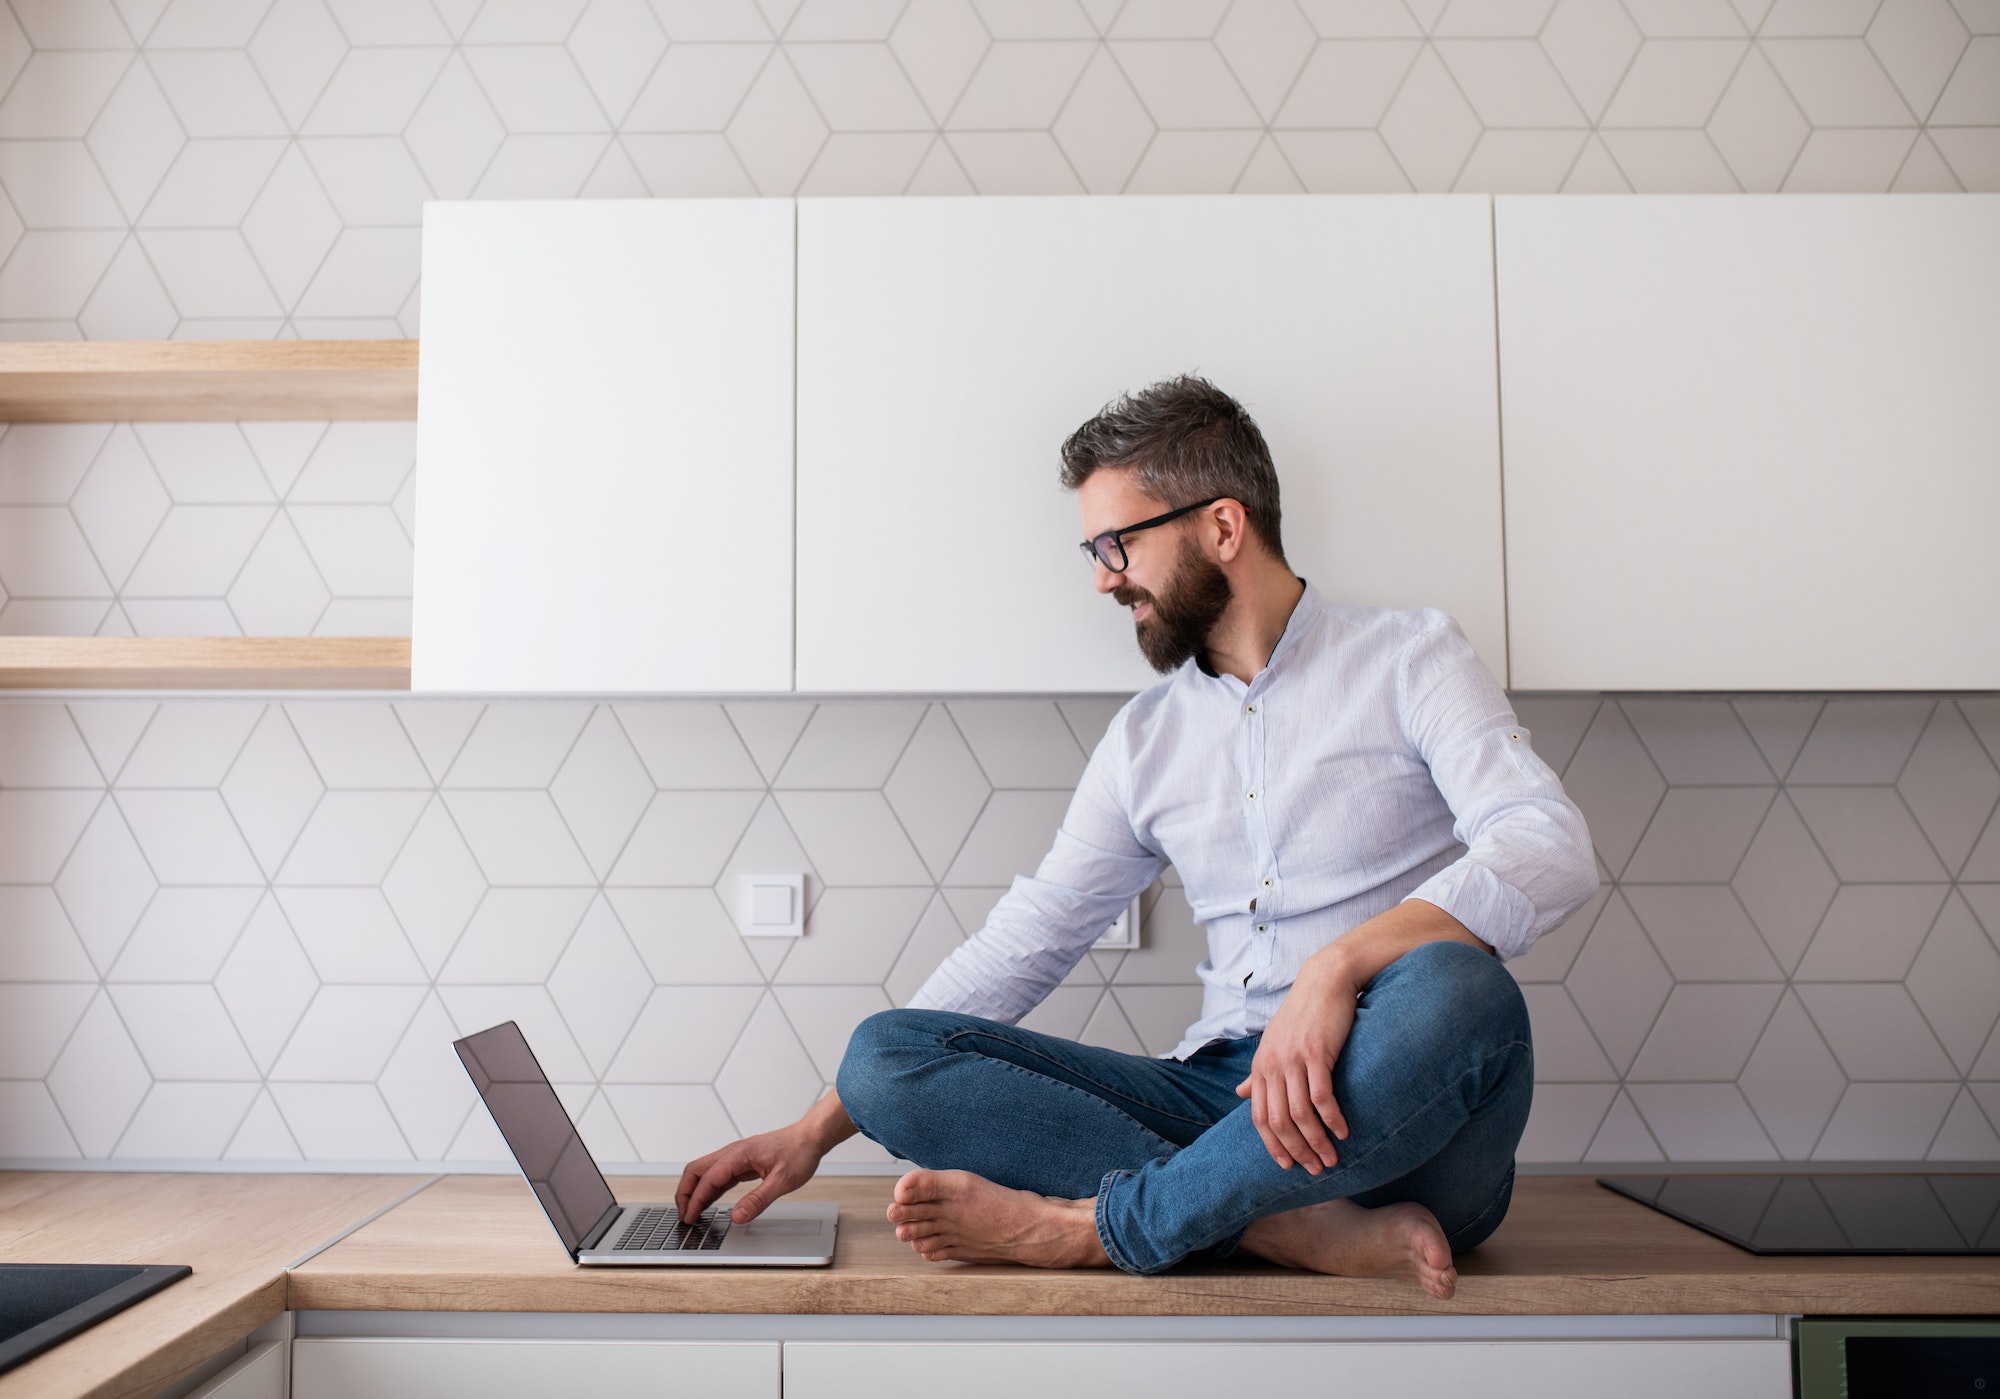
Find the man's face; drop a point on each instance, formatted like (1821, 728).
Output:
(1176, 593)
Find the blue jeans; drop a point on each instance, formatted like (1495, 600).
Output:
(1435, 1081)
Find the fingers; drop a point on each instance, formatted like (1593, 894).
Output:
(1282, 1115)
(685, 1190)
(754, 1202)
(1294, 1110)
(720, 1175)
(1320, 1080)
(1305, 1117)
(1260, 1110)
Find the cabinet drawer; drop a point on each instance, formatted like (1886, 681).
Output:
(355, 1368)
(1713, 1369)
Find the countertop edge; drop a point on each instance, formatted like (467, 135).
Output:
(1692, 1294)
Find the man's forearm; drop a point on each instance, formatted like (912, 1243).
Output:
(1357, 956)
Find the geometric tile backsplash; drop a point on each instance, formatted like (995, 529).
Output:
(254, 168)
(246, 929)
(206, 529)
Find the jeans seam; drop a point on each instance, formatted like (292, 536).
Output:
(1118, 1257)
(946, 1043)
(1408, 1117)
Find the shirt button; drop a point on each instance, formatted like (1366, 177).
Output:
(1261, 927)
(1515, 737)
(1249, 709)
(1253, 796)
(1267, 884)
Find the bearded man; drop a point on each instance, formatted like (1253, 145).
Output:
(1364, 832)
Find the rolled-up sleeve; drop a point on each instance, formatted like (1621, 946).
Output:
(1528, 862)
(1044, 923)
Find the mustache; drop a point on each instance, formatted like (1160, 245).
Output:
(1126, 594)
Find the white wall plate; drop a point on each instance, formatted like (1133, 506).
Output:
(1123, 934)
(771, 905)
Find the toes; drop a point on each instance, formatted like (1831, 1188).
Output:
(916, 1185)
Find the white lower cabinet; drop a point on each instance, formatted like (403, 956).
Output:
(399, 1368)
(1628, 1369)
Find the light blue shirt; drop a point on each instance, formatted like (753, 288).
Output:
(1374, 759)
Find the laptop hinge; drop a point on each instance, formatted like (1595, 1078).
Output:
(602, 1227)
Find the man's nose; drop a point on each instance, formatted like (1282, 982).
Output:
(1105, 579)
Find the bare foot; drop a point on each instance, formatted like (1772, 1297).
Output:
(1339, 1236)
(960, 1216)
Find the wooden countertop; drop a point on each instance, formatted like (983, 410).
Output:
(480, 1243)
(238, 1232)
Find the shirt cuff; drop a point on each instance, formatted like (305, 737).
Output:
(1492, 909)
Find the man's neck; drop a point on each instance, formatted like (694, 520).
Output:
(1242, 642)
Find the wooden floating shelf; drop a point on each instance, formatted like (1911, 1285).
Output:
(205, 663)
(208, 380)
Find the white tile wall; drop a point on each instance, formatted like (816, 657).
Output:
(289, 529)
(209, 895)
(246, 930)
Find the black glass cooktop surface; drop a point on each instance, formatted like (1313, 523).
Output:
(1831, 1213)
(44, 1304)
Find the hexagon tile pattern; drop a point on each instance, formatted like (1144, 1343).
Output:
(221, 169)
(206, 529)
(247, 931)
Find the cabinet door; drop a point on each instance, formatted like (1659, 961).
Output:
(397, 1368)
(1208, 1370)
(604, 447)
(1751, 443)
(948, 346)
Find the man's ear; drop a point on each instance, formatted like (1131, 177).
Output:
(1231, 528)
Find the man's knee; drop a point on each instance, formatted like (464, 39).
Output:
(887, 1043)
(1452, 989)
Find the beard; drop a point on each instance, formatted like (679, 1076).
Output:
(1184, 612)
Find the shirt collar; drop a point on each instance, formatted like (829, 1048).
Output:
(1305, 612)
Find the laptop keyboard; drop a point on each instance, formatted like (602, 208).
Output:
(659, 1229)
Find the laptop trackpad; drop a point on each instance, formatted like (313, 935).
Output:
(785, 1228)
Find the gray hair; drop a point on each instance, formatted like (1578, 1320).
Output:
(1184, 440)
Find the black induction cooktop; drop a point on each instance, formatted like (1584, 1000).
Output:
(43, 1304)
(1830, 1214)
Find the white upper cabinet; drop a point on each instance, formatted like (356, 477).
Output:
(604, 445)
(948, 346)
(1752, 443)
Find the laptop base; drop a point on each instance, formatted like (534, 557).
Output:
(788, 1234)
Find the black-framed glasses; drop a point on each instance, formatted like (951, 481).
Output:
(1108, 548)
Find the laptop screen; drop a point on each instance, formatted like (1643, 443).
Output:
(538, 1131)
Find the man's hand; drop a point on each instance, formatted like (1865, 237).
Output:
(1290, 1087)
(783, 1160)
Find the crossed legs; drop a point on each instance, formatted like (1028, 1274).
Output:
(1039, 1150)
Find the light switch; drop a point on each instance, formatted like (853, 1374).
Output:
(771, 905)
(1123, 934)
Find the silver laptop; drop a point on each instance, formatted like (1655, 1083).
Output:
(589, 1220)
